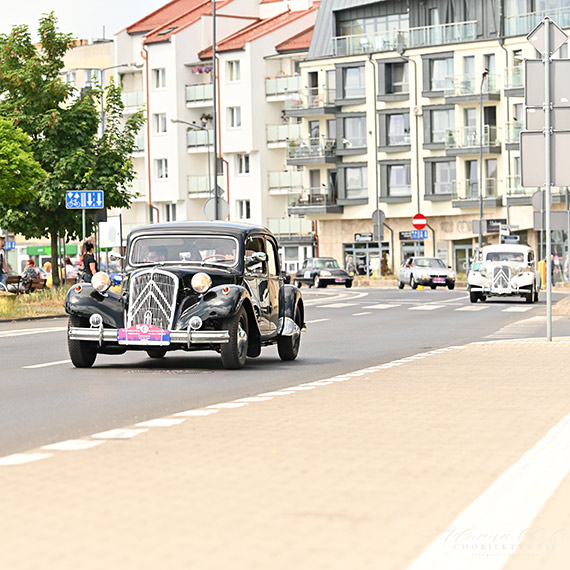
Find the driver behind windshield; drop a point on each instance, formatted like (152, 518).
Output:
(156, 254)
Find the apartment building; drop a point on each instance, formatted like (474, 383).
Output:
(416, 107)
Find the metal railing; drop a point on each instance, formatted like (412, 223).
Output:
(310, 99)
(448, 189)
(523, 24)
(466, 137)
(470, 84)
(198, 185)
(513, 131)
(277, 87)
(282, 182)
(280, 134)
(139, 143)
(397, 138)
(195, 139)
(409, 38)
(203, 92)
(514, 77)
(469, 189)
(290, 225)
(313, 197)
(311, 148)
(132, 99)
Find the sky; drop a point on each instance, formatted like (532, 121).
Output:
(85, 19)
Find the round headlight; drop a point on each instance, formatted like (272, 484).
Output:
(101, 281)
(201, 282)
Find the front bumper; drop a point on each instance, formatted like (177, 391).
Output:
(501, 291)
(430, 282)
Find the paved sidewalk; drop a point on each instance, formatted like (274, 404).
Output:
(356, 472)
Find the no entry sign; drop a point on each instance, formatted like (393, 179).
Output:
(419, 221)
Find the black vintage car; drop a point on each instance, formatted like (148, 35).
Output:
(189, 286)
(322, 271)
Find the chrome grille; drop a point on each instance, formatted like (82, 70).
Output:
(501, 277)
(152, 298)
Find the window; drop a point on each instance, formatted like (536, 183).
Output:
(159, 78)
(356, 182)
(170, 212)
(443, 176)
(331, 128)
(91, 76)
(471, 179)
(271, 259)
(374, 26)
(442, 125)
(159, 120)
(161, 168)
(243, 163)
(243, 209)
(70, 78)
(398, 129)
(441, 74)
(234, 72)
(399, 180)
(491, 181)
(396, 78)
(234, 117)
(354, 132)
(353, 82)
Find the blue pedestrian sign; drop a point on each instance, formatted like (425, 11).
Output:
(419, 234)
(84, 199)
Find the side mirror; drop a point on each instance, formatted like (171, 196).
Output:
(115, 256)
(257, 257)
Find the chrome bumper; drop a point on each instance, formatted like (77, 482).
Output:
(187, 337)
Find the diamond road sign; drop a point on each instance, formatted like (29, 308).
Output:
(84, 199)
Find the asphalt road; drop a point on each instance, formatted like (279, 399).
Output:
(43, 399)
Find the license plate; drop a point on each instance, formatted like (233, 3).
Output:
(438, 280)
(144, 334)
(340, 280)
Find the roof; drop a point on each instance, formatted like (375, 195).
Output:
(256, 30)
(506, 247)
(299, 42)
(217, 227)
(163, 15)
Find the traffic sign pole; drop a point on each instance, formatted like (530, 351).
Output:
(83, 222)
(547, 58)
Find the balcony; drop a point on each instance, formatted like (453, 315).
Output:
(467, 193)
(132, 100)
(200, 95)
(314, 201)
(279, 135)
(466, 140)
(424, 36)
(198, 187)
(199, 141)
(523, 24)
(290, 226)
(311, 151)
(311, 102)
(138, 189)
(139, 144)
(282, 88)
(466, 88)
(512, 134)
(285, 182)
(442, 191)
(514, 81)
(518, 195)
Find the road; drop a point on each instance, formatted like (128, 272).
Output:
(43, 399)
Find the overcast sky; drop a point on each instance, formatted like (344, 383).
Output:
(85, 19)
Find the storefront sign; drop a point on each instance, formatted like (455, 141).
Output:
(405, 236)
(494, 226)
(363, 237)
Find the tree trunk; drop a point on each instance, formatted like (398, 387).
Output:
(54, 259)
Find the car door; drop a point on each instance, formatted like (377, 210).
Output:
(255, 276)
(408, 271)
(273, 283)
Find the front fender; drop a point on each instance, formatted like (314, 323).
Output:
(88, 301)
(289, 299)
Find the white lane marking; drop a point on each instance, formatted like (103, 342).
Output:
(24, 332)
(516, 310)
(425, 308)
(254, 399)
(381, 306)
(361, 314)
(160, 422)
(317, 321)
(191, 413)
(473, 308)
(336, 305)
(72, 445)
(226, 405)
(119, 433)
(21, 458)
(46, 364)
(503, 513)
(334, 297)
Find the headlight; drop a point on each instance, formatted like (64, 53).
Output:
(101, 281)
(424, 276)
(325, 273)
(451, 275)
(201, 282)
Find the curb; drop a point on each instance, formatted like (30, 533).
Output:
(40, 318)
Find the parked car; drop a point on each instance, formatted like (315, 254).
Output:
(426, 271)
(322, 271)
(189, 286)
(504, 271)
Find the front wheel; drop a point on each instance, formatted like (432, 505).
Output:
(400, 285)
(529, 297)
(288, 346)
(234, 352)
(82, 352)
(413, 283)
(473, 296)
(348, 284)
(156, 353)
(536, 296)
(451, 286)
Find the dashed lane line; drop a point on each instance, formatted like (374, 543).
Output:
(25, 332)
(317, 321)
(45, 364)
(361, 314)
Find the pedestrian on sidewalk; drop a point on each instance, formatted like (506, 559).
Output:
(3, 264)
(89, 263)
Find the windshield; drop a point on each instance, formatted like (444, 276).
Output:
(515, 256)
(184, 249)
(429, 262)
(328, 263)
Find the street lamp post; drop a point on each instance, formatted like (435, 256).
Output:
(483, 76)
(199, 128)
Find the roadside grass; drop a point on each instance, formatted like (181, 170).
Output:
(40, 303)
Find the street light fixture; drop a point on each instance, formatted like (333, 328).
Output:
(199, 128)
(483, 76)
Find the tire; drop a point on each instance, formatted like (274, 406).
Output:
(156, 352)
(433, 286)
(536, 296)
(348, 284)
(451, 286)
(288, 346)
(529, 297)
(82, 352)
(234, 352)
(413, 283)
(400, 285)
(317, 282)
(473, 296)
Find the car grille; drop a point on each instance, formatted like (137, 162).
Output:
(501, 277)
(152, 295)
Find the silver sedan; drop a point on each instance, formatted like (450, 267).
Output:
(426, 271)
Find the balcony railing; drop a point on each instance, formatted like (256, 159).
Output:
(311, 99)
(414, 37)
(467, 137)
(469, 189)
(132, 99)
(447, 189)
(311, 148)
(313, 197)
(196, 139)
(138, 189)
(523, 24)
(396, 139)
(514, 77)
(198, 187)
(513, 131)
(290, 226)
(278, 88)
(285, 182)
(470, 84)
(278, 135)
(200, 94)
(139, 143)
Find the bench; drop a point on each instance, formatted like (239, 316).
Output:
(35, 285)
(13, 283)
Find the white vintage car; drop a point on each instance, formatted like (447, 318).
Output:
(504, 270)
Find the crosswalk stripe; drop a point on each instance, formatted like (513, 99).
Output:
(336, 305)
(516, 310)
(381, 306)
(426, 307)
(473, 308)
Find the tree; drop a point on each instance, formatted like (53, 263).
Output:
(63, 128)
